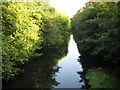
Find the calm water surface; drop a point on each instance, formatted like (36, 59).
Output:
(68, 76)
(49, 71)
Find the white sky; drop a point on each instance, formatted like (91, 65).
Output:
(69, 7)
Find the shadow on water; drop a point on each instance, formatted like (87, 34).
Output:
(40, 72)
(57, 68)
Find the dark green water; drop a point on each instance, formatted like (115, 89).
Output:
(57, 68)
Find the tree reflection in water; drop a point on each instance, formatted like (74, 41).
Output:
(40, 72)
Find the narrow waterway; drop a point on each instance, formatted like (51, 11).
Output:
(68, 76)
(57, 68)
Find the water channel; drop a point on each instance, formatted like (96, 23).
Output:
(63, 68)
(52, 71)
(68, 76)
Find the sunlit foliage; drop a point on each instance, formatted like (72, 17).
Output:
(26, 27)
(56, 29)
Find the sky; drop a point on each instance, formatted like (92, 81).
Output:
(69, 7)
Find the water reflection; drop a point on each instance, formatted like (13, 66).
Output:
(40, 72)
(51, 70)
(68, 76)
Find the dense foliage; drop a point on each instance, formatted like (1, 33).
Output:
(55, 31)
(96, 30)
(27, 27)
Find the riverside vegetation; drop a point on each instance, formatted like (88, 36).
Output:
(30, 29)
(96, 30)
(27, 29)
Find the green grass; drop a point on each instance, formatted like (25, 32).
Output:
(99, 78)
